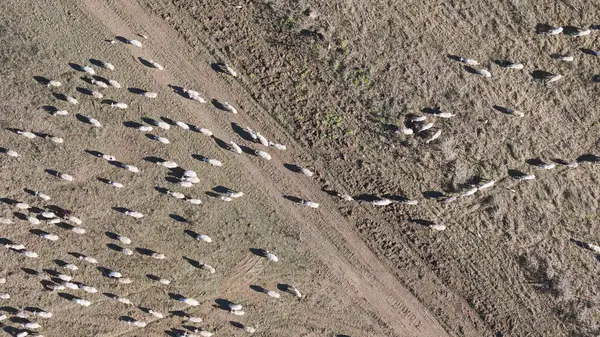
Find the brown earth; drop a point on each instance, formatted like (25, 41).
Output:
(332, 81)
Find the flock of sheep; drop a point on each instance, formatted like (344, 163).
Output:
(64, 278)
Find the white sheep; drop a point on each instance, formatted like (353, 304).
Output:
(97, 95)
(74, 219)
(381, 202)
(565, 58)
(237, 312)
(31, 325)
(202, 237)
(230, 108)
(42, 196)
(572, 164)
(88, 259)
(12, 153)
(33, 220)
(42, 313)
(234, 194)
(162, 139)
(93, 121)
(553, 30)
(135, 43)
(193, 94)
(78, 230)
(114, 84)
(263, 154)
(205, 132)
(4, 296)
(131, 168)
(88, 70)
(107, 65)
(155, 313)
(49, 236)
(26, 134)
(278, 146)
(547, 166)
(124, 300)
(115, 184)
(487, 184)
(581, 32)
(483, 72)
(251, 133)
(214, 162)
(438, 227)
(469, 192)
(101, 84)
(229, 70)
(553, 78)
(190, 174)
(511, 65)
(155, 64)
(5, 221)
(144, 128)
(158, 256)
(162, 125)
(271, 257)
(182, 125)
(176, 195)
(468, 61)
(193, 201)
(189, 301)
(70, 266)
(310, 204)
(54, 83)
(125, 280)
(235, 148)
(346, 197)
(119, 105)
(150, 94)
(55, 139)
(71, 99)
(208, 268)
(305, 171)
(272, 293)
(60, 113)
(526, 177)
(65, 176)
(435, 136)
(134, 214)
(262, 139)
(295, 291)
(22, 205)
(426, 126)
(30, 254)
(168, 164)
(70, 285)
(81, 301)
(88, 289)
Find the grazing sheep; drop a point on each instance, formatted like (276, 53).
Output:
(71, 100)
(42, 196)
(114, 274)
(13, 153)
(154, 64)
(54, 139)
(553, 78)
(150, 94)
(78, 230)
(60, 113)
(70, 266)
(263, 154)
(97, 95)
(176, 195)
(48, 215)
(270, 256)
(182, 125)
(190, 174)
(93, 121)
(42, 313)
(124, 300)
(26, 134)
(131, 168)
(101, 84)
(155, 313)
(4, 296)
(208, 268)
(345, 197)
(305, 171)
(468, 61)
(168, 164)
(572, 164)
(435, 136)
(565, 58)
(30, 254)
(123, 239)
(213, 162)
(74, 219)
(107, 65)
(114, 84)
(487, 184)
(278, 146)
(158, 256)
(125, 280)
(145, 128)
(469, 192)
(262, 139)
(88, 70)
(54, 83)
(229, 70)
(252, 133)
(547, 166)
(189, 301)
(88, 289)
(202, 237)
(49, 236)
(88, 259)
(193, 201)
(237, 312)
(31, 325)
(119, 105)
(426, 126)
(205, 132)
(225, 198)
(272, 293)
(115, 184)
(134, 214)
(526, 177)
(135, 43)
(65, 176)
(235, 194)
(553, 30)
(445, 115)
(230, 108)
(22, 205)
(162, 280)
(70, 285)
(161, 139)
(186, 184)
(193, 180)
(33, 220)
(438, 227)
(511, 65)
(295, 291)
(193, 319)
(381, 202)
(581, 32)
(235, 148)
(194, 95)
(310, 204)
(483, 72)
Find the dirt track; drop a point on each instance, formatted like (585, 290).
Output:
(349, 291)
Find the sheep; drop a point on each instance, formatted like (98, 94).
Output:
(487, 184)
(4, 296)
(70, 266)
(162, 125)
(135, 43)
(63, 277)
(88, 70)
(131, 168)
(155, 313)
(22, 206)
(310, 204)
(295, 291)
(154, 64)
(426, 126)
(469, 192)
(228, 70)
(186, 184)
(262, 139)
(123, 239)
(54, 221)
(55, 139)
(205, 333)
(22, 334)
(158, 256)
(208, 268)
(65, 176)
(263, 154)
(193, 319)
(54, 83)
(511, 65)
(71, 99)
(26, 134)
(305, 171)
(526, 177)
(125, 280)
(101, 84)
(345, 197)
(114, 274)
(278, 146)
(119, 105)
(30, 254)
(581, 32)
(237, 312)
(205, 132)
(150, 94)
(114, 84)
(438, 227)
(106, 65)
(134, 214)
(78, 230)
(93, 121)
(5, 221)
(42, 196)
(230, 108)
(189, 301)
(468, 61)
(97, 95)
(202, 237)
(144, 128)
(272, 293)
(553, 78)
(88, 289)
(270, 256)
(33, 220)
(31, 325)
(74, 219)
(225, 198)
(48, 215)
(3, 317)
(234, 194)
(411, 202)
(15, 246)
(565, 58)
(162, 280)
(81, 301)
(213, 162)
(124, 300)
(547, 166)
(572, 164)
(553, 30)
(168, 164)
(516, 113)
(381, 202)
(435, 136)
(190, 174)
(182, 125)
(42, 313)
(483, 72)
(235, 148)
(176, 195)
(12, 153)
(161, 139)
(60, 113)
(115, 184)
(88, 259)
(49, 236)
(70, 285)
(445, 115)
(193, 201)
(194, 95)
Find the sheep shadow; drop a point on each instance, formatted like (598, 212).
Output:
(179, 91)
(121, 209)
(177, 218)
(433, 194)
(175, 332)
(541, 75)
(9, 201)
(588, 157)
(122, 39)
(137, 91)
(38, 232)
(218, 104)
(176, 297)
(67, 296)
(579, 244)
(144, 251)
(161, 190)
(145, 62)
(237, 324)
(104, 180)
(84, 91)
(60, 263)
(258, 289)
(292, 167)
(114, 247)
(30, 271)
(221, 143)
(193, 262)
(127, 319)
(108, 102)
(471, 70)
(589, 51)
(258, 252)
(168, 121)
(595, 79)
(150, 121)
(76, 66)
(534, 162)
(422, 222)
(212, 194)
(132, 124)
(50, 109)
(543, 28)
(241, 132)
(191, 233)
(42, 80)
(153, 277)
(60, 96)
(83, 119)
(454, 57)
(293, 198)
(222, 304)
(154, 159)
(367, 197)
(516, 174)
(52, 172)
(502, 109)
(218, 67)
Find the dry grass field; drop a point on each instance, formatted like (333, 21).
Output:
(334, 82)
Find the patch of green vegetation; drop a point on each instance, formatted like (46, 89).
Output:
(289, 22)
(362, 76)
(332, 120)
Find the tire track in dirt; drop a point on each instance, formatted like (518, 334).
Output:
(325, 231)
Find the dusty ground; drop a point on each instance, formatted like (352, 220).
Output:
(331, 81)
